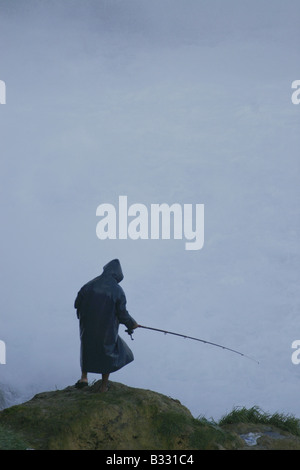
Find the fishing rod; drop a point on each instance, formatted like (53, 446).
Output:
(194, 339)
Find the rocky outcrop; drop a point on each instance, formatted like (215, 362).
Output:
(124, 418)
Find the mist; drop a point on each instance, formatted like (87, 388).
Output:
(163, 102)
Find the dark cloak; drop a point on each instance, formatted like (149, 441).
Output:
(101, 307)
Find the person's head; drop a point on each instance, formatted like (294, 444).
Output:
(114, 269)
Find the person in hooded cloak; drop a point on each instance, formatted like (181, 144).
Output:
(101, 307)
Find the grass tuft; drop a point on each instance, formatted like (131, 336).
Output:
(255, 415)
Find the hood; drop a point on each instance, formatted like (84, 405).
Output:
(114, 269)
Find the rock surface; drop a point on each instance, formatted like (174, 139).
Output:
(122, 418)
(264, 437)
(125, 418)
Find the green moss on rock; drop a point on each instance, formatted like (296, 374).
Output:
(124, 418)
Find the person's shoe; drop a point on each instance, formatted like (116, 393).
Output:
(81, 384)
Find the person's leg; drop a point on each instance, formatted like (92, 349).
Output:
(83, 382)
(104, 384)
(83, 377)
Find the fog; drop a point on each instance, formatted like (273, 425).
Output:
(165, 101)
